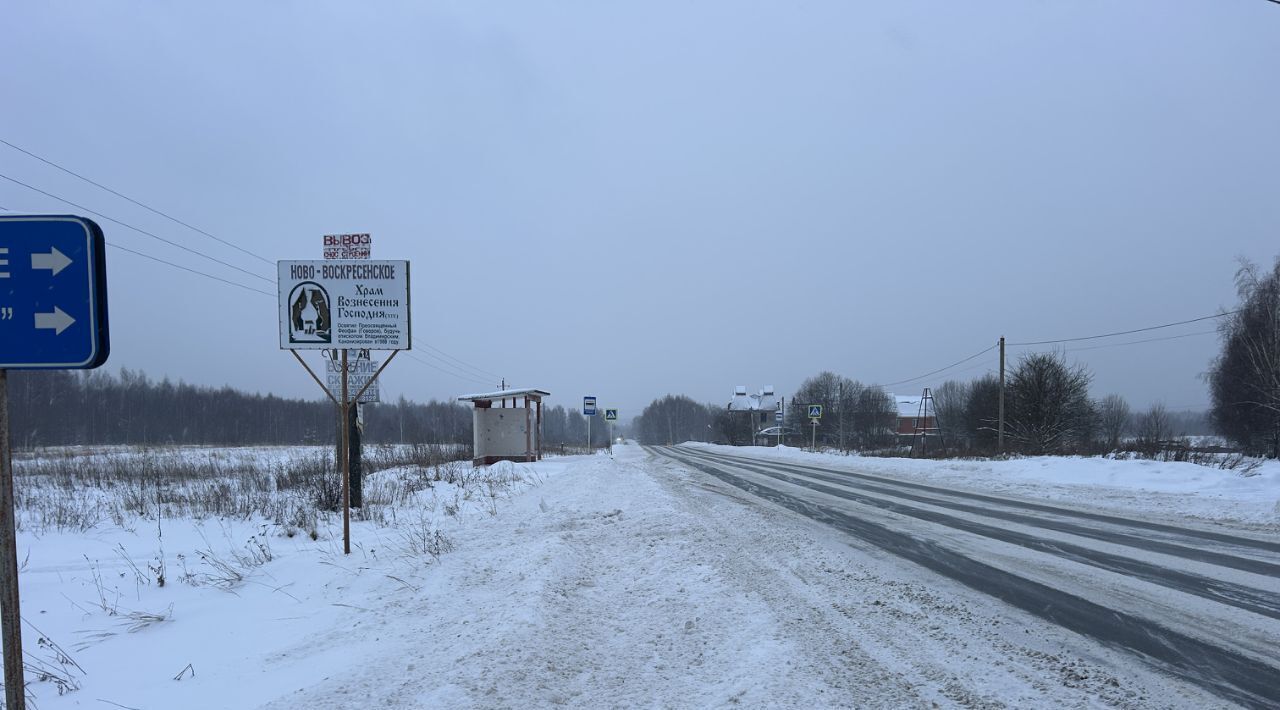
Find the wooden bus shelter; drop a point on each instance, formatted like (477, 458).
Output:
(506, 425)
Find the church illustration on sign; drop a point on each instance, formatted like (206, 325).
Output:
(309, 318)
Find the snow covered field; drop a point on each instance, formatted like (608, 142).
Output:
(578, 581)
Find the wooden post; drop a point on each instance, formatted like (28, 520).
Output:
(355, 452)
(528, 430)
(539, 428)
(10, 611)
(346, 463)
(1000, 436)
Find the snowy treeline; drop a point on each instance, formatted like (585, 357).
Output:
(1048, 410)
(674, 419)
(95, 407)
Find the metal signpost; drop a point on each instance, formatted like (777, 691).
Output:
(53, 316)
(815, 413)
(348, 305)
(589, 411)
(610, 416)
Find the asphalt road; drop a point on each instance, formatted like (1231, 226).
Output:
(1201, 605)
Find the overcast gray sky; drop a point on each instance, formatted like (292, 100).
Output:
(630, 200)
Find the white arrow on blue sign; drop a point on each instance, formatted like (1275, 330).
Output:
(53, 293)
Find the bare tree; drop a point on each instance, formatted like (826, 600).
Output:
(1113, 420)
(1049, 410)
(982, 413)
(832, 392)
(1154, 430)
(874, 417)
(1244, 380)
(950, 402)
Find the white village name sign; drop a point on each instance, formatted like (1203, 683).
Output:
(344, 304)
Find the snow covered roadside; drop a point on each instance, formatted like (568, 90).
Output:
(1134, 487)
(633, 581)
(206, 611)
(619, 582)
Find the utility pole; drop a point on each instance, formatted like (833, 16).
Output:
(1001, 434)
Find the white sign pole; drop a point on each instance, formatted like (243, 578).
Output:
(344, 305)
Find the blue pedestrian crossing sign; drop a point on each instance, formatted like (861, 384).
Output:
(611, 415)
(815, 411)
(53, 293)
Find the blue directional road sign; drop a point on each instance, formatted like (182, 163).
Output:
(53, 293)
(588, 406)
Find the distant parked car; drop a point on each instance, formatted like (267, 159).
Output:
(777, 430)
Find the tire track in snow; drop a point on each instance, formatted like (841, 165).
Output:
(1238, 595)
(1184, 535)
(1229, 675)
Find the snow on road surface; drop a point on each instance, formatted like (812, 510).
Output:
(633, 580)
(1135, 486)
(1200, 604)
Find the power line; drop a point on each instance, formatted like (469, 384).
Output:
(177, 266)
(941, 369)
(184, 268)
(477, 370)
(453, 369)
(144, 206)
(1128, 332)
(464, 376)
(1071, 340)
(140, 231)
(1146, 340)
(415, 358)
(465, 366)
